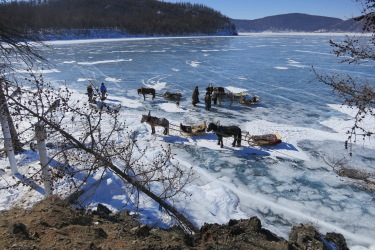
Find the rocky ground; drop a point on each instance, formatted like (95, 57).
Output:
(54, 224)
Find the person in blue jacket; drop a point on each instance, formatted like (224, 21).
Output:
(103, 91)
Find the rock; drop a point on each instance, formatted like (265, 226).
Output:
(232, 222)
(103, 210)
(35, 235)
(100, 233)
(307, 237)
(20, 230)
(141, 231)
(255, 224)
(236, 230)
(337, 240)
(82, 231)
(43, 223)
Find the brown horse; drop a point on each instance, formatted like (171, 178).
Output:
(221, 96)
(155, 121)
(145, 91)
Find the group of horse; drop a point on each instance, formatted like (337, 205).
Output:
(218, 94)
(220, 131)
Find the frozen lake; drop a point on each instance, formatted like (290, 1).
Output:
(283, 185)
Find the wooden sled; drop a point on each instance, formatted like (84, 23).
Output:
(193, 130)
(105, 106)
(263, 140)
(241, 94)
(172, 96)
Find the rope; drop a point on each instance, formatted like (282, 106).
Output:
(171, 124)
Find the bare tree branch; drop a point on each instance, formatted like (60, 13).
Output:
(355, 92)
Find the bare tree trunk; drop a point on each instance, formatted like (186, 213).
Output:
(17, 145)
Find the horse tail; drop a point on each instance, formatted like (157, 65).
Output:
(153, 94)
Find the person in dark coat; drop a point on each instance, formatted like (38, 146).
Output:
(90, 92)
(195, 96)
(207, 101)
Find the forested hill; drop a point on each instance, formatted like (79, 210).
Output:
(297, 22)
(134, 17)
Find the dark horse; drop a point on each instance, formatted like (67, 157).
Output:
(226, 131)
(145, 91)
(155, 121)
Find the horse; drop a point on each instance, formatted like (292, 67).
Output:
(221, 96)
(211, 89)
(155, 121)
(226, 131)
(145, 91)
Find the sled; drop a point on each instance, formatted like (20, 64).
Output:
(193, 130)
(252, 101)
(263, 140)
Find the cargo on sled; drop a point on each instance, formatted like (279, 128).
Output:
(193, 130)
(240, 94)
(262, 140)
(249, 101)
(172, 96)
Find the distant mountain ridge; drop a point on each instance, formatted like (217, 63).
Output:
(297, 22)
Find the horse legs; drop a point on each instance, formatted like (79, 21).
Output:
(166, 131)
(152, 130)
(239, 140)
(144, 97)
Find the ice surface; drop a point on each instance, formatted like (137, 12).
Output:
(283, 185)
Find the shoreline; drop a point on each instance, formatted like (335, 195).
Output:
(245, 34)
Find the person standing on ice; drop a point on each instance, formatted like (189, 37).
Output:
(195, 96)
(207, 101)
(103, 91)
(90, 92)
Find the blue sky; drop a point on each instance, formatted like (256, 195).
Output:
(253, 9)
